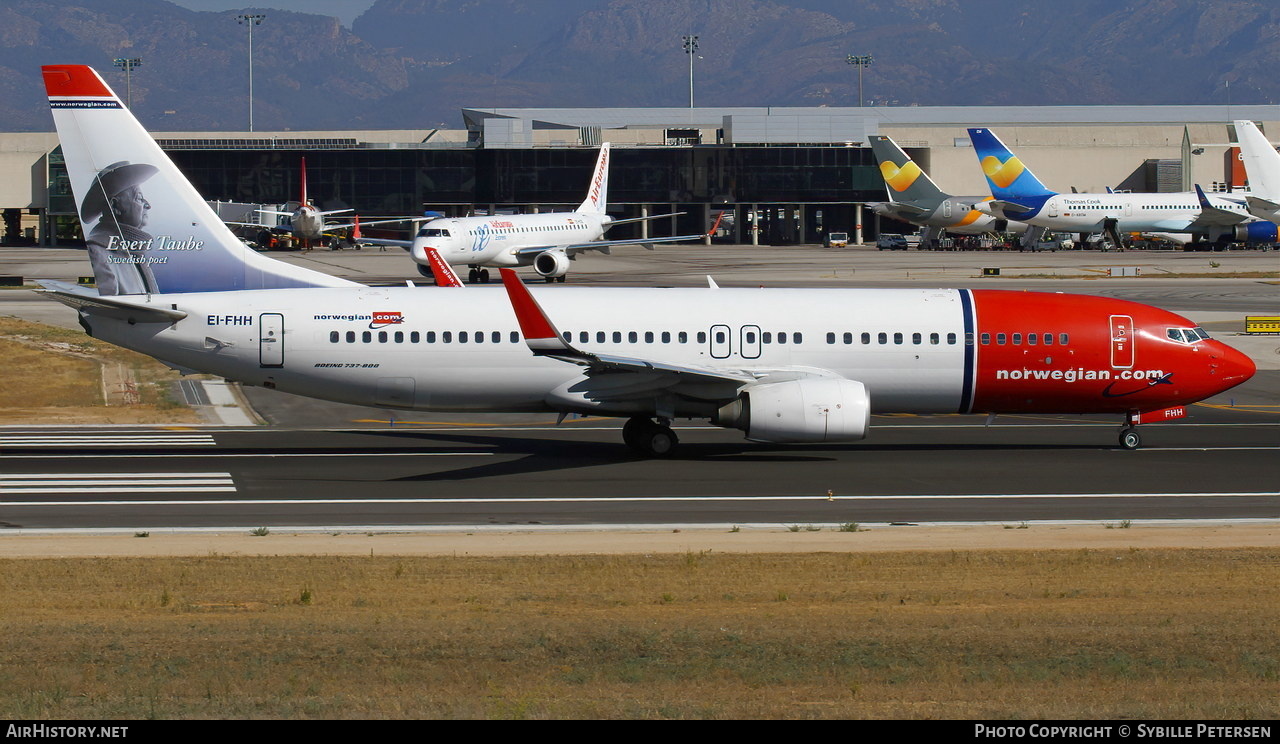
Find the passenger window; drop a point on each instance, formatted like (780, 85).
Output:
(702, 337)
(333, 337)
(1017, 339)
(1000, 339)
(666, 337)
(617, 337)
(599, 337)
(831, 337)
(497, 337)
(1031, 339)
(797, 338)
(462, 337)
(351, 337)
(866, 338)
(935, 339)
(632, 337)
(648, 337)
(366, 337)
(382, 337)
(897, 338)
(431, 337)
(515, 337)
(916, 338)
(399, 337)
(882, 337)
(683, 337)
(782, 338)
(986, 339)
(583, 337)
(767, 337)
(1048, 339)
(446, 337)
(415, 337)
(848, 337)
(479, 337)
(1064, 339)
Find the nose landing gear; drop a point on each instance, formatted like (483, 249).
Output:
(1129, 438)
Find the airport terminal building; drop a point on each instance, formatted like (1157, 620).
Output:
(779, 176)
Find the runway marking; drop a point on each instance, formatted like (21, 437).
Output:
(220, 455)
(642, 499)
(59, 483)
(107, 440)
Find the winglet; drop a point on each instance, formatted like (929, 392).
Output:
(441, 270)
(1204, 200)
(539, 333)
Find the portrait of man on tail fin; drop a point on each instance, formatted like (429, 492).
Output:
(117, 244)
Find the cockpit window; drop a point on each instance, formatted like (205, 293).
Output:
(433, 232)
(1187, 335)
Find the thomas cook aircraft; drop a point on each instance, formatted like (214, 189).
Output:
(782, 365)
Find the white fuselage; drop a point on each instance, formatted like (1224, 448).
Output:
(1088, 213)
(497, 240)
(419, 348)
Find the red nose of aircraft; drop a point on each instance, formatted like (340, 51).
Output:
(1232, 366)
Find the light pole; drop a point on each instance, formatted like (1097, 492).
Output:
(127, 64)
(690, 48)
(861, 60)
(251, 20)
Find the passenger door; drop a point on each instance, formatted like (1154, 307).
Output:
(271, 340)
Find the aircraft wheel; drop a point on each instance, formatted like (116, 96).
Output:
(426, 271)
(550, 279)
(1129, 439)
(649, 438)
(561, 279)
(484, 276)
(472, 276)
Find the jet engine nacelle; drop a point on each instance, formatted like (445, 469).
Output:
(1256, 232)
(551, 264)
(828, 409)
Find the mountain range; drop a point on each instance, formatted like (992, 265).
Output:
(412, 64)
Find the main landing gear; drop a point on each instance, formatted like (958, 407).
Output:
(648, 437)
(554, 279)
(477, 276)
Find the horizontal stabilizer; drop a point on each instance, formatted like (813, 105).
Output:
(1262, 205)
(111, 307)
(643, 219)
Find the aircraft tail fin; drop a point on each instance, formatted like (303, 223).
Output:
(146, 228)
(903, 179)
(597, 200)
(1261, 161)
(1006, 175)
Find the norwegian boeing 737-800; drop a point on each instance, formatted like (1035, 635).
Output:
(783, 365)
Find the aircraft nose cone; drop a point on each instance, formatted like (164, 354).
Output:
(1234, 366)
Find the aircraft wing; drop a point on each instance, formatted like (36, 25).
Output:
(113, 307)
(405, 244)
(272, 228)
(1211, 215)
(601, 245)
(1264, 205)
(346, 225)
(643, 219)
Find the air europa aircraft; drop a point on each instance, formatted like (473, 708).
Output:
(783, 365)
(547, 241)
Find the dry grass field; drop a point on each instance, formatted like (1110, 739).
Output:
(1062, 634)
(57, 376)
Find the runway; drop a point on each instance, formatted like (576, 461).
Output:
(923, 470)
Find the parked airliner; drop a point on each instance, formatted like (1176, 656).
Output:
(783, 365)
(1262, 165)
(915, 198)
(548, 241)
(1019, 195)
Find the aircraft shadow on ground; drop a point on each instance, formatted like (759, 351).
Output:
(549, 455)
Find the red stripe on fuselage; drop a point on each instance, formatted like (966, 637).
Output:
(1080, 376)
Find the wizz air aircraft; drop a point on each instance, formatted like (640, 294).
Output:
(547, 241)
(915, 198)
(783, 365)
(1019, 195)
(1262, 165)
